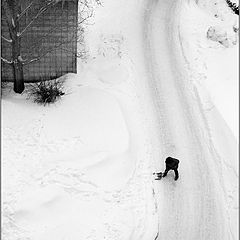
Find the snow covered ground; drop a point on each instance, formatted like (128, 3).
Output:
(193, 132)
(154, 86)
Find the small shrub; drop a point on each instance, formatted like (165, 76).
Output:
(3, 87)
(46, 92)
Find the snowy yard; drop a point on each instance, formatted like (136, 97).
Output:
(154, 86)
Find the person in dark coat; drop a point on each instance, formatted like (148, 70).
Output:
(171, 164)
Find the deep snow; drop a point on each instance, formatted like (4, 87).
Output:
(82, 168)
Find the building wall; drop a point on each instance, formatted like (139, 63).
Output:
(53, 37)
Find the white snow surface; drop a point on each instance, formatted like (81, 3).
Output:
(154, 86)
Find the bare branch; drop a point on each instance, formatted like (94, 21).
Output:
(32, 60)
(46, 35)
(84, 19)
(7, 40)
(6, 61)
(25, 10)
(21, 60)
(98, 2)
(44, 54)
(8, 13)
(41, 11)
(31, 22)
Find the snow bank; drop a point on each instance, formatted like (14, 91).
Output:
(213, 70)
(209, 41)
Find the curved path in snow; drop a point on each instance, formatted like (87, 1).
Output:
(193, 207)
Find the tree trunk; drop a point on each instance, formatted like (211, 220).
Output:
(18, 77)
(17, 67)
(11, 10)
(16, 53)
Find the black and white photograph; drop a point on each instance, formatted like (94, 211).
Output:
(119, 119)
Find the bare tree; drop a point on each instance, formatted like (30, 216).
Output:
(11, 10)
(14, 14)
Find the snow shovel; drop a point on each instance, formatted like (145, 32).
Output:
(159, 175)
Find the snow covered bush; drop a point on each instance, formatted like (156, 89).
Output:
(46, 92)
(222, 36)
(5, 87)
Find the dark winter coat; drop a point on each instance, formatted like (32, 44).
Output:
(171, 163)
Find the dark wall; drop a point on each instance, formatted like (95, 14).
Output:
(53, 37)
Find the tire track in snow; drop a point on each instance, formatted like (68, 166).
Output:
(189, 208)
